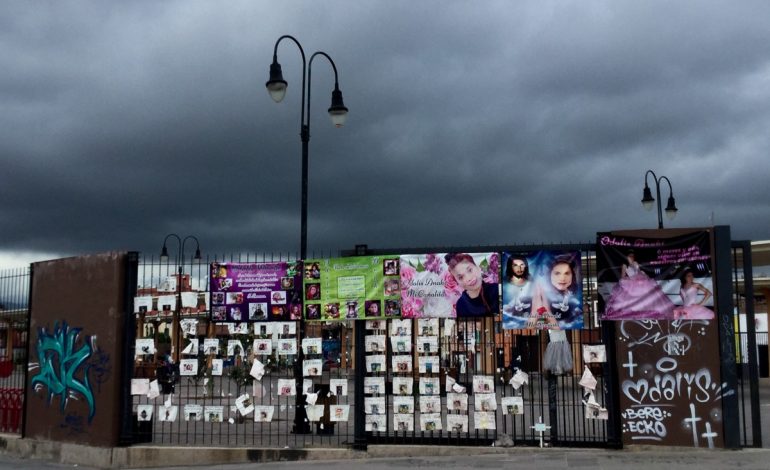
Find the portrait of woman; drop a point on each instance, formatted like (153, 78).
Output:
(691, 308)
(313, 292)
(478, 297)
(556, 295)
(637, 296)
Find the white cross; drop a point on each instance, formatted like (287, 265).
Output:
(630, 365)
(540, 427)
(693, 419)
(709, 435)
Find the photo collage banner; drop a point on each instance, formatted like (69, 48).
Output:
(655, 279)
(540, 289)
(249, 292)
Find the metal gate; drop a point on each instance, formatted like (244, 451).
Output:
(14, 325)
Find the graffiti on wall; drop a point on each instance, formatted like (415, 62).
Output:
(69, 366)
(670, 385)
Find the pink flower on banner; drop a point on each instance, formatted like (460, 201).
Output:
(452, 290)
(411, 307)
(491, 276)
(433, 263)
(407, 274)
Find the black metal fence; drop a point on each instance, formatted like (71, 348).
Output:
(14, 315)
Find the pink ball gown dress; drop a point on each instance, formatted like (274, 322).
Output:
(690, 310)
(637, 297)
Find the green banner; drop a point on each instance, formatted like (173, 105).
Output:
(355, 288)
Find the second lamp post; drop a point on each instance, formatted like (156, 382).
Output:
(647, 198)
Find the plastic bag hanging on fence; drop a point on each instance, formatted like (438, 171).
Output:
(588, 381)
(519, 378)
(257, 370)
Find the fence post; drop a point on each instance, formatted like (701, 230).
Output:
(612, 399)
(359, 413)
(126, 436)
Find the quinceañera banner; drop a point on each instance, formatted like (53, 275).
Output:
(542, 289)
(256, 291)
(655, 278)
(360, 287)
(450, 285)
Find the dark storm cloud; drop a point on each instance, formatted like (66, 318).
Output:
(471, 123)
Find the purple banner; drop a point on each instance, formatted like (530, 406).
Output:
(249, 292)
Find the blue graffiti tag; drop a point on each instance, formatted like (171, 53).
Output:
(59, 362)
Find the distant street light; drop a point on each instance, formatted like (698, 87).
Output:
(647, 199)
(164, 259)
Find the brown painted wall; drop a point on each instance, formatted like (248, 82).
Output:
(78, 301)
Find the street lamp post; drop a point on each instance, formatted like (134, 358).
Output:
(276, 86)
(647, 198)
(180, 270)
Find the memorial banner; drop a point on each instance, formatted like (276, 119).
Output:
(655, 278)
(354, 288)
(256, 291)
(542, 289)
(450, 285)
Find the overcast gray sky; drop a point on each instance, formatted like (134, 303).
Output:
(471, 123)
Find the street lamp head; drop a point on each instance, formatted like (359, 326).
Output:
(671, 208)
(164, 254)
(276, 86)
(197, 256)
(338, 111)
(647, 199)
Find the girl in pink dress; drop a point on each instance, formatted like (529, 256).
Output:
(637, 296)
(691, 309)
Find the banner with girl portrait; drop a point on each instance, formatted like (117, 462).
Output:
(450, 285)
(644, 278)
(542, 289)
(248, 292)
(354, 288)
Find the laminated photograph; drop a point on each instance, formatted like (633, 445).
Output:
(403, 385)
(193, 412)
(312, 367)
(484, 420)
(428, 364)
(287, 347)
(287, 387)
(154, 390)
(140, 386)
(214, 414)
(484, 402)
(430, 404)
(142, 304)
(430, 386)
(457, 401)
(235, 348)
(513, 405)
(244, 404)
(168, 414)
(257, 369)
(403, 422)
(339, 413)
(375, 363)
(375, 343)
(375, 423)
(217, 366)
(427, 326)
(189, 326)
(451, 384)
(400, 327)
(307, 386)
(192, 347)
(188, 367)
(314, 412)
(403, 405)
(401, 344)
(144, 412)
(401, 363)
(210, 346)
(374, 385)
(519, 379)
(338, 387)
(167, 305)
(264, 329)
(457, 423)
(375, 324)
(311, 345)
(427, 344)
(430, 422)
(263, 414)
(483, 384)
(144, 346)
(374, 405)
(263, 347)
(284, 328)
(594, 353)
(189, 299)
(449, 329)
(238, 328)
(596, 412)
